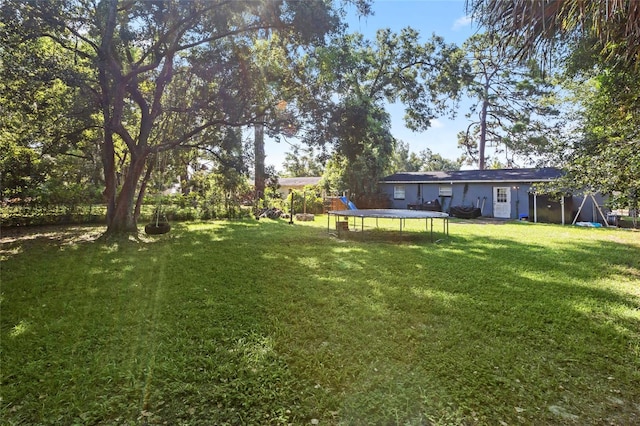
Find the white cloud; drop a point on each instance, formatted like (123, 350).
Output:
(436, 124)
(461, 22)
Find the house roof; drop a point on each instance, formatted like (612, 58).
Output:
(476, 176)
(299, 181)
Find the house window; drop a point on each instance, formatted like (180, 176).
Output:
(398, 192)
(501, 195)
(445, 191)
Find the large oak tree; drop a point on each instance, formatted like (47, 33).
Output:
(356, 79)
(188, 64)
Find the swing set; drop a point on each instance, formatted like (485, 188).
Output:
(595, 204)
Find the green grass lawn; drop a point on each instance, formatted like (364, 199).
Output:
(261, 322)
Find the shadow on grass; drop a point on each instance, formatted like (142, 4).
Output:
(263, 322)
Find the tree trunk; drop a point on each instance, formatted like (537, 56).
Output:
(143, 190)
(108, 163)
(183, 174)
(124, 218)
(259, 172)
(108, 150)
(184, 183)
(483, 134)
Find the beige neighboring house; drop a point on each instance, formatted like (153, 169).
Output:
(296, 183)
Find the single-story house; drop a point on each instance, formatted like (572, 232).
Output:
(499, 193)
(296, 184)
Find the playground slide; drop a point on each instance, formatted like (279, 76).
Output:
(349, 204)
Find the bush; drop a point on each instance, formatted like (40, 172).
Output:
(34, 215)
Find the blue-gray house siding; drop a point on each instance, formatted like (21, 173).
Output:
(499, 193)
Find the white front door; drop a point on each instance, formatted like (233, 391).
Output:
(502, 202)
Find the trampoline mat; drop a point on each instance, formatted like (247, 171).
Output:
(390, 213)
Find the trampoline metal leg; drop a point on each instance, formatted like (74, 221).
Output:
(431, 229)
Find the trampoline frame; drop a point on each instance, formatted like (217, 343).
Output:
(403, 215)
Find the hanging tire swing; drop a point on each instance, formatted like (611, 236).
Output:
(159, 225)
(157, 228)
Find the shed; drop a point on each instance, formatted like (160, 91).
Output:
(499, 193)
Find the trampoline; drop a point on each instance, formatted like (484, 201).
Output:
(402, 215)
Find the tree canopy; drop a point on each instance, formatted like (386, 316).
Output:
(513, 106)
(403, 160)
(355, 79)
(47, 124)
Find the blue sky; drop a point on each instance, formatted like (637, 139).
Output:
(445, 18)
